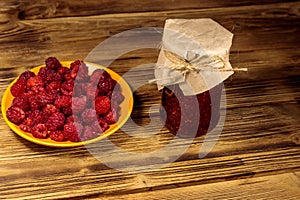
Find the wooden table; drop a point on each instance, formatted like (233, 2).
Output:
(257, 155)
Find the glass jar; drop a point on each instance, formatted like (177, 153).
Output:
(190, 116)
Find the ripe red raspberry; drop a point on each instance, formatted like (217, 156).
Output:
(15, 115)
(45, 98)
(72, 131)
(103, 124)
(78, 104)
(88, 133)
(111, 117)
(52, 63)
(34, 117)
(62, 70)
(34, 102)
(53, 76)
(49, 75)
(26, 75)
(117, 96)
(67, 110)
(79, 71)
(106, 83)
(91, 91)
(40, 131)
(79, 89)
(73, 118)
(96, 127)
(21, 102)
(96, 76)
(63, 101)
(18, 88)
(58, 136)
(104, 86)
(27, 94)
(102, 104)
(89, 116)
(55, 121)
(25, 127)
(35, 81)
(50, 109)
(54, 85)
(67, 87)
(68, 76)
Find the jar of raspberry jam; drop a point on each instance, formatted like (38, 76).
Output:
(193, 115)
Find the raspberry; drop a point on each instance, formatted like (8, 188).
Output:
(102, 104)
(27, 94)
(88, 133)
(58, 136)
(62, 70)
(117, 95)
(34, 117)
(52, 63)
(18, 88)
(79, 71)
(96, 75)
(53, 76)
(50, 109)
(35, 84)
(21, 102)
(15, 115)
(72, 131)
(55, 121)
(89, 116)
(68, 76)
(67, 110)
(72, 118)
(26, 75)
(91, 91)
(106, 83)
(78, 104)
(43, 73)
(96, 127)
(25, 127)
(79, 89)
(111, 117)
(35, 81)
(54, 85)
(104, 86)
(63, 101)
(103, 124)
(67, 87)
(44, 98)
(34, 102)
(40, 131)
(49, 75)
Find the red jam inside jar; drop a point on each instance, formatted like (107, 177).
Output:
(190, 116)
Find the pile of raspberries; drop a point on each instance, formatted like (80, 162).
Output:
(48, 105)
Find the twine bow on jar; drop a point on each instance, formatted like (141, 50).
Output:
(184, 66)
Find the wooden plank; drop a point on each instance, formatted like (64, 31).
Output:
(253, 46)
(281, 186)
(245, 149)
(36, 9)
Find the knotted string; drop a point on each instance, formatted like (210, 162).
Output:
(185, 66)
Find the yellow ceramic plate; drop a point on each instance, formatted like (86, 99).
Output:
(126, 109)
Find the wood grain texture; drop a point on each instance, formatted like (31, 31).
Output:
(36, 9)
(257, 155)
(285, 186)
